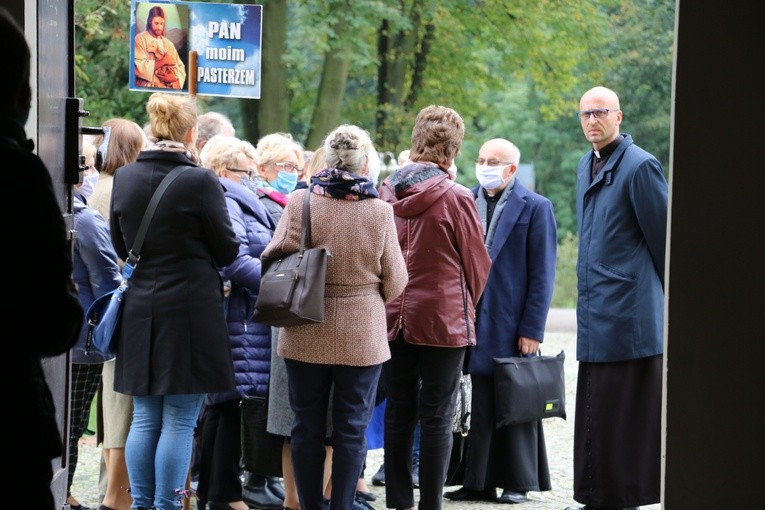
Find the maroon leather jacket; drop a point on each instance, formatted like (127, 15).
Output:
(441, 238)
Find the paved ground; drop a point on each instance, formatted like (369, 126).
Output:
(559, 433)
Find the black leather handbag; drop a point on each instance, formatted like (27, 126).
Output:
(292, 287)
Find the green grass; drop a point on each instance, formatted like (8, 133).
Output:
(92, 418)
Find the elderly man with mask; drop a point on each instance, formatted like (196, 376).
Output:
(520, 234)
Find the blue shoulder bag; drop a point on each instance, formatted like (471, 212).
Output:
(104, 313)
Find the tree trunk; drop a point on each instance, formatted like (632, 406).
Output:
(397, 53)
(273, 107)
(334, 76)
(249, 109)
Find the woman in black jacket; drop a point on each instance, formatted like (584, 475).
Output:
(173, 339)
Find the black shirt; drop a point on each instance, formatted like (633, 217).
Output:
(491, 203)
(601, 157)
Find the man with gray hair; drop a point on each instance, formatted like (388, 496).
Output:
(520, 234)
(210, 124)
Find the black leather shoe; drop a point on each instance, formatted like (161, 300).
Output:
(261, 497)
(366, 496)
(276, 486)
(378, 479)
(464, 494)
(360, 503)
(512, 497)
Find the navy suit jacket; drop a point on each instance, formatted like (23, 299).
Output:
(519, 290)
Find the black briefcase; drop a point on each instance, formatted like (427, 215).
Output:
(529, 389)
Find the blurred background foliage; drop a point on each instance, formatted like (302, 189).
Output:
(513, 69)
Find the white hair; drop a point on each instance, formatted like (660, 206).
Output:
(348, 147)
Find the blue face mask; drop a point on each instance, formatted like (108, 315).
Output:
(285, 182)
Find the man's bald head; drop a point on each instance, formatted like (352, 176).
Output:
(600, 116)
(602, 95)
(504, 148)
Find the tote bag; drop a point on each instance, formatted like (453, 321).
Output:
(529, 389)
(292, 289)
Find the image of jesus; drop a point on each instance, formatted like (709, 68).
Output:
(157, 63)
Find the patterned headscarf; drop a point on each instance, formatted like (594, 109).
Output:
(338, 183)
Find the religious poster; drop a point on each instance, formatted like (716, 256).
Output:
(226, 39)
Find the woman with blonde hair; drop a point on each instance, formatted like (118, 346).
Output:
(276, 154)
(173, 345)
(220, 447)
(317, 163)
(279, 160)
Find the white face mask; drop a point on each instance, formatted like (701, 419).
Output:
(89, 184)
(490, 177)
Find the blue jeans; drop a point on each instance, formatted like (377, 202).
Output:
(416, 445)
(158, 448)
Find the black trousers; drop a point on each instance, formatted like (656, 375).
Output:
(438, 370)
(220, 451)
(512, 457)
(353, 399)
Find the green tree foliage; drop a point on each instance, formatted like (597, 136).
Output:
(642, 71)
(512, 68)
(564, 295)
(102, 52)
(457, 53)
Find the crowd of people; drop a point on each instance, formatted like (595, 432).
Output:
(427, 279)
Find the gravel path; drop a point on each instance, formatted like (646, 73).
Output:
(559, 435)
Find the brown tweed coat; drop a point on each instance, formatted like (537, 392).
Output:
(365, 271)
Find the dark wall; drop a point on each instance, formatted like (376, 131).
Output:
(715, 379)
(51, 42)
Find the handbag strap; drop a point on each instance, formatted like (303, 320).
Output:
(134, 255)
(305, 234)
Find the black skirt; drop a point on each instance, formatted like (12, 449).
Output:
(513, 457)
(617, 433)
